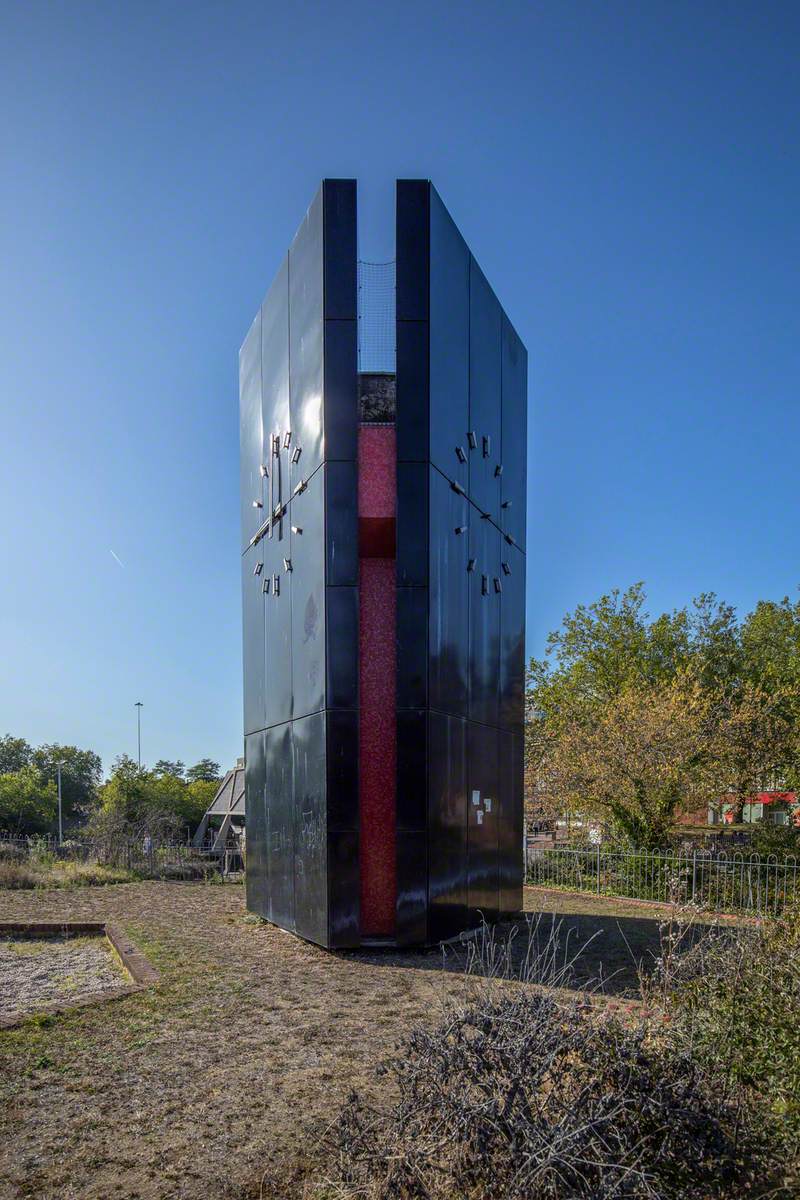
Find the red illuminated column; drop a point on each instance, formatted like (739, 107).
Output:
(377, 650)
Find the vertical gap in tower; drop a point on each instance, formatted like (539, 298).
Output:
(377, 600)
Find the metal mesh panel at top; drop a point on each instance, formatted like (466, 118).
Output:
(376, 325)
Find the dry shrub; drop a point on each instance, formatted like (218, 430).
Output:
(18, 875)
(733, 994)
(518, 1092)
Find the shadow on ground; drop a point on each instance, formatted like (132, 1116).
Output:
(599, 953)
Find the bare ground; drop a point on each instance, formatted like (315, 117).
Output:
(227, 1073)
(35, 972)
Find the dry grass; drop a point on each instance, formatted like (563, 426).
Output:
(232, 1068)
(24, 876)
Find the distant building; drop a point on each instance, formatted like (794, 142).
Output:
(225, 815)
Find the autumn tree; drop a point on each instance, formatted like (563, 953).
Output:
(635, 719)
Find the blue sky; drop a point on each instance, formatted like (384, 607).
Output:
(628, 177)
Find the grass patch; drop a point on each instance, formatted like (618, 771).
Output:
(27, 876)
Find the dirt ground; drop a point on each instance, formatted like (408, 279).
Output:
(228, 1072)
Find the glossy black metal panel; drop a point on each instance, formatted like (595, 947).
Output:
(484, 620)
(341, 251)
(449, 344)
(280, 825)
(484, 815)
(342, 748)
(509, 829)
(412, 647)
(250, 432)
(341, 391)
(412, 240)
(447, 826)
(302, 572)
(515, 433)
(306, 337)
(344, 883)
(341, 509)
(412, 416)
(448, 623)
(412, 524)
(411, 924)
(257, 884)
(485, 321)
(310, 829)
(412, 769)
(512, 638)
(276, 418)
(253, 638)
(342, 647)
(277, 599)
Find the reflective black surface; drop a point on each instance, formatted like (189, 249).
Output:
(509, 828)
(515, 432)
(344, 890)
(484, 393)
(412, 416)
(306, 337)
(342, 749)
(250, 440)
(253, 638)
(341, 391)
(461, 419)
(341, 250)
(277, 610)
(411, 921)
(448, 617)
(412, 765)
(449, 342)
(464, 371)
(412, 524)
(412, 248)
(310, 828)
(341, 515)
(512, 638)
(447, 826)
(276, 419)
(484, 621)
(484, 815)
(412, 647)
(342, 644)
(257, 884)
(299, 404)
(280, 825)
(306, 583)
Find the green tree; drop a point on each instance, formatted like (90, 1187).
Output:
(134, 802)
(199, 795)
(206, 770)
(28, 803)
(610, 660)
(164, 767)
(81, 771)
(15, 753)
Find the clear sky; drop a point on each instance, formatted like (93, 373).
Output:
(628, 177)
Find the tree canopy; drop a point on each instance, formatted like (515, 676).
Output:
(633, 718)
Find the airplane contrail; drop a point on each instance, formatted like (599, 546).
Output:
(117, 558)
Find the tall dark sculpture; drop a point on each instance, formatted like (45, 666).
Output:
(383, 575)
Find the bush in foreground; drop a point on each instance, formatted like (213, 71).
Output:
(515, 1094)
(734, 996)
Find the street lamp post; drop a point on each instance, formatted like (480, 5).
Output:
(138, 707)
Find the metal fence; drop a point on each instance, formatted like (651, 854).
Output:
(722, 882)
(153, 859)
